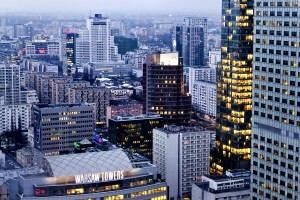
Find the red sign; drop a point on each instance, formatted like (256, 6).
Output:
(40, 191)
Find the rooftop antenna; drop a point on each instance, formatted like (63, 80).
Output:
(90, 13)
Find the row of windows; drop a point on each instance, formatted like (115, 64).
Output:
(277, 71)
(278, 3)
(278, 42)
(277, 62)
(278, 13)
(276, 143)
(277, 52)
(278, 33)
(274, 189)
(276, 108)
(277, 118)
(276, 89)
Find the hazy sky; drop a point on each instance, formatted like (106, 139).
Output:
(167, 6)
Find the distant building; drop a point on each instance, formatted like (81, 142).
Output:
(60, 89)
(45, 85)
(15, 117)
(99, 96)
(10, 86)
(68, 51)
(134, 133)
(234, 185)
(94, 175)
(31, 79)
(200, 73)
(123, 110)
(181, 155)
(103, 70)
(101, 43)
(125, 44)
(83, 47)
(29, 157)
(164, 89)
(191, 41)
(29, 97)
(57, 127)
(214, 57)
(204, 97)
(38, 48)
(22, 30)
(15, 112)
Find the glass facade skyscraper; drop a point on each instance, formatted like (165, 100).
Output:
(276, 103)
(234, 88)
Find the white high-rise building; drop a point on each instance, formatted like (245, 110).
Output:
(196, 73)
(15, 114)
(276, 103)
(200, 22)
(83, 47)
(15, 117)
(204, 97)
(181, 155)
(10, 84)
(101, 44)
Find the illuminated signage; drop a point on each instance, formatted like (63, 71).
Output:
(98, 139)
(40, 192)
(99, 177)
(76, 145)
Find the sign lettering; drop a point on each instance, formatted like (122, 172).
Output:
(98, 177)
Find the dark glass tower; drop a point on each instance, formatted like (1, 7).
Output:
(190, 45)
(164, 89)
(69, 51)
(134, 133)
(234, 88)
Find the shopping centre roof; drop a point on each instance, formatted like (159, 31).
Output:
(88, 163)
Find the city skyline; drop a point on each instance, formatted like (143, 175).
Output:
(106, 6)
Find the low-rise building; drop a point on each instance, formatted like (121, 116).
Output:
(135, 132)
(234, 185)
(123, 110)
(94, 175)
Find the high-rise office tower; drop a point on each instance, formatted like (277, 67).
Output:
(234, 88)
(164, 89)
(68, 50)
(191, 41)
(102, 48)
(276, 111)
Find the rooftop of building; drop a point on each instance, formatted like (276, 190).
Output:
(92, 162)
(26, 151)
(173, 129)
(138, 117)
(222, 180)
(59, 105)
(230, 175)
(200, 67)
(205, 186)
